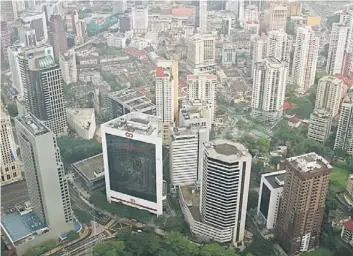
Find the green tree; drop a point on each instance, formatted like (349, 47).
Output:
(275, 160)
(72, 235)
(76, 149)
(82, 216)
(252, 199)
(40, 249)
(216, 250)
(12, 109)
(115, 248)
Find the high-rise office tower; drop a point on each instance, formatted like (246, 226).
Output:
(203, 88)
(251, 14)
(165, 90)
(9, 163)
(305, 58)
(43, 91)
(276, 17)
(320, 125)
(67, 62)
(184, 148)
(4, 41)
(57, 35)
(225, 187)
(269, 87)
(133, 161)
(195, 114)
(344, 135)
(201, 54)
(74, 20)
(20, 5)
(276, 44)
(45, 175)
(36, 19)
(241, 12)
(339, 38)
(13, 52)
(346, 20)
(303, 201)
(120, 6)
(27, 35)
(9, 10)
(203, 14)
(139, 18)
(166, 78)
(329, 94)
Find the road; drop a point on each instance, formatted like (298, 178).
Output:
(14, 193)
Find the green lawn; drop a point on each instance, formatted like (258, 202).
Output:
(319, 252)
(339, 178)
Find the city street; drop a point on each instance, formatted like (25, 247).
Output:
(14, 193)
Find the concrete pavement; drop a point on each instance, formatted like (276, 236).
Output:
(14, 193)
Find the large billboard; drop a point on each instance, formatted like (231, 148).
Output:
(132, 166)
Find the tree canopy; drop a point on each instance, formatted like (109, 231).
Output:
(75, 149)
(40, 249)
(144, 244)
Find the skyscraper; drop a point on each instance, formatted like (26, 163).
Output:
(120, 6)
(203, 88)
(13, 52)
(302, 204)
(167, 94)
(329, 94)
(269, 87)
(203, 14)
(201, 54)
(320, 125)
(10, 164)
(67, 62)
(4, 41)
(9, 10)
(133, 164)
(27, 35)
(164, 94)
(45, 176)
(42, 82)
(225, 187)
(276, 44)
(36, 19)
(57, 35)
(344, 135)
(276, 17)
(184, 149)
(139, 18)
(305, 58)
(339, 39)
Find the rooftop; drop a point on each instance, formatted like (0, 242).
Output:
(160, 72)
(32, 124)
(309, 163)
(191, 197)
(19, 226)
(132, 99)
(348, 225)
(91, 168)
(226, 150)
(206, 76)
(82, 116)
(276, 179)
(136, 122)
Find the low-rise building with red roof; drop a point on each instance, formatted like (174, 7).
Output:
(347, 232)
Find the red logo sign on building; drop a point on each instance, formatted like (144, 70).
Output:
(129, 134)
